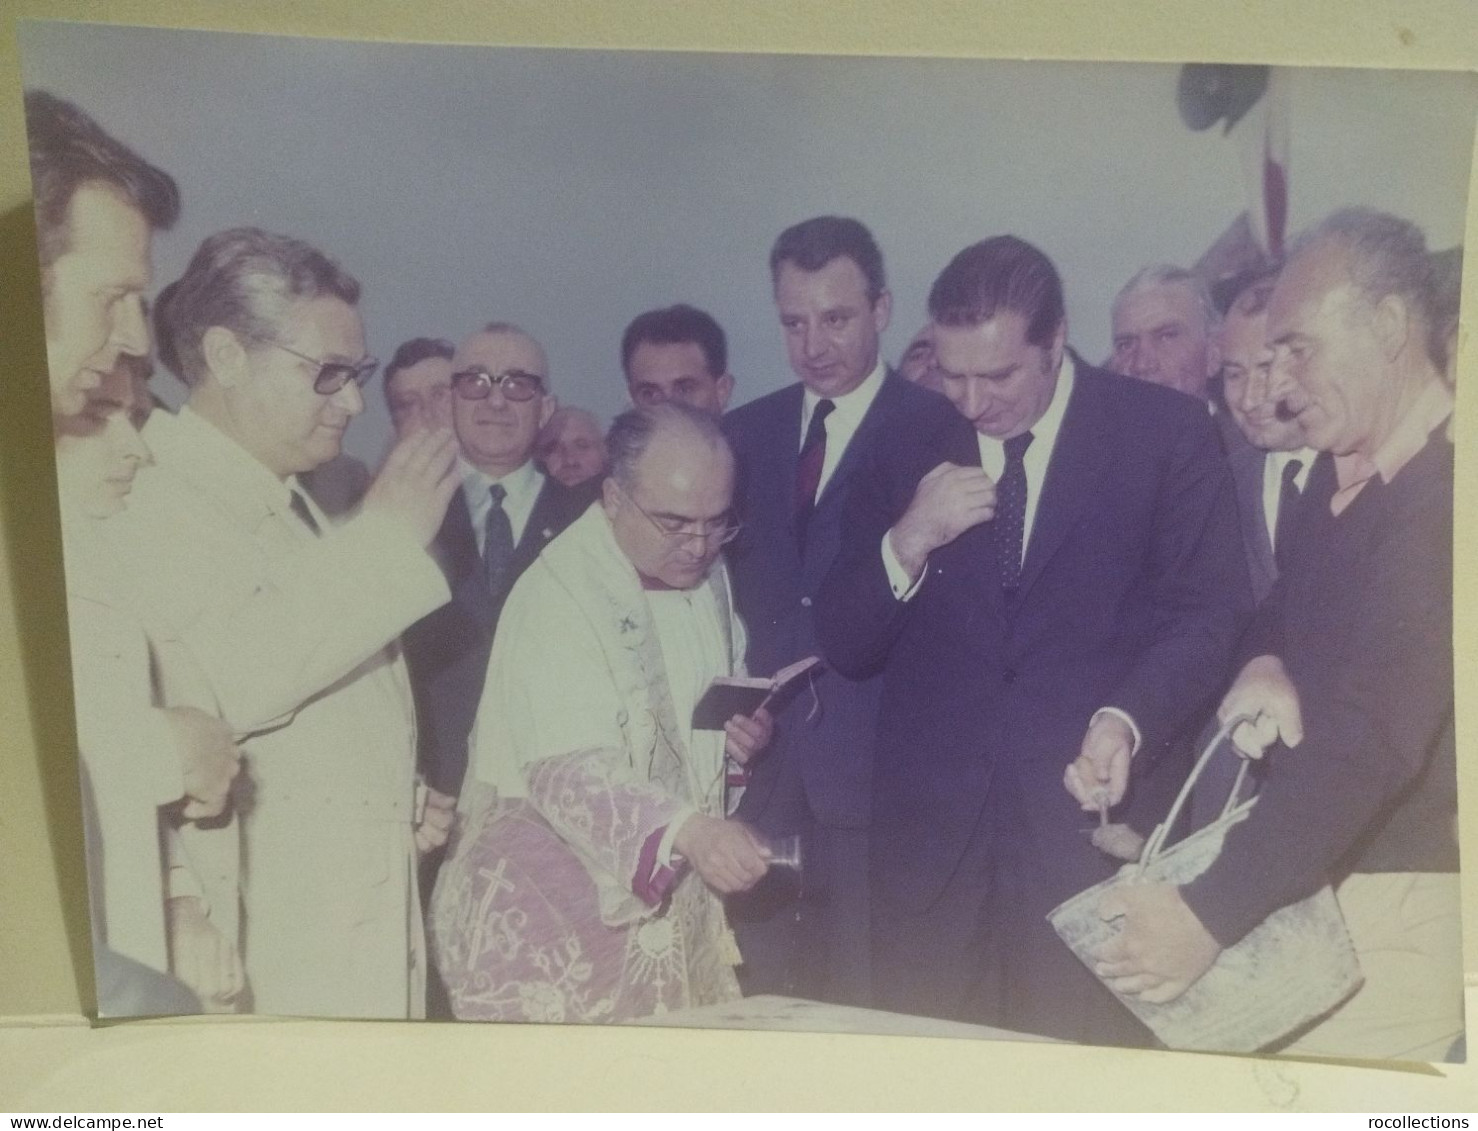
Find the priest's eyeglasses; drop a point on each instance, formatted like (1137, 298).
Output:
(678, 530)
(477, 384)
(331, 376)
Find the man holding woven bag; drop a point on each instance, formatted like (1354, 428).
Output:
(1348, 668)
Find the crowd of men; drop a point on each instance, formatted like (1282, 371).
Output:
(322, 709)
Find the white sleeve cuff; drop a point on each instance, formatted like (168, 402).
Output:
(1128, 720)
(902, 585)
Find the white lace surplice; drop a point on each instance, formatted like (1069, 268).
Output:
(553, 905)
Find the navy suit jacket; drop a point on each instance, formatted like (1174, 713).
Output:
(447, 651)
(1247, 471)
(820, 761)
(1132, 594)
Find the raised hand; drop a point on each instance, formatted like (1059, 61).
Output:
(417, 481)
(947, 502)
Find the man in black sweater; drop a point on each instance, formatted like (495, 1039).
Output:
(1348, 669)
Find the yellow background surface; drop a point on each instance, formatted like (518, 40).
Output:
(52, 1061)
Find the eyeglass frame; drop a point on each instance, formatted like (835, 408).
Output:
(725, 534)
(489, 381)
(342, 372)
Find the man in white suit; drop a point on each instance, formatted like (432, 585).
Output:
(295, 621)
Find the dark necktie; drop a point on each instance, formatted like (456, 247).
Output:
(497, 542)
(1288, 496)
(300, 508)
(1010, 520)
(808, 467)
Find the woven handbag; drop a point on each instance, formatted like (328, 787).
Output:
(1292, 968)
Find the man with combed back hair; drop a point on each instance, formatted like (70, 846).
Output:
(591, 847)
(147, 770)
(97, 204)
(1051, 585)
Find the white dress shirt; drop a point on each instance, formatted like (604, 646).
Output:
(1272, 485)
(523, 487)
(846, 416)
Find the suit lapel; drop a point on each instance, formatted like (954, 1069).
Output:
(1077, 466)
(873, 421)
(543, 525)
(456, 544)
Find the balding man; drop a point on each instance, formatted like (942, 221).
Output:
(571, 447)
(1348, 668)
(1164, 327)
(592, 844)
(506, 511)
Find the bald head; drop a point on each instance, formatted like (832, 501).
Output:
(670, 490)
(571, 446)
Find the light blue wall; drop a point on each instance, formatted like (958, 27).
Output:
(569, 190)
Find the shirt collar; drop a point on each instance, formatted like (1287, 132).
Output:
(1432, 406)
(1045, 430)
(851, 406)
(520, 483)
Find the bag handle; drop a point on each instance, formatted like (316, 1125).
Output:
(1156, 844)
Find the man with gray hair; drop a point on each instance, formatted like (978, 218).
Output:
(1164, 330)
(292, 621)
(505, 512)
(1347, 670)
(592, 843)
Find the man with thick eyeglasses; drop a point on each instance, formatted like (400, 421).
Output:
(592, 842)
(292, 620)
(505, 513)
(337, 485)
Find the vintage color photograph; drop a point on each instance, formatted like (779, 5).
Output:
(901, 546)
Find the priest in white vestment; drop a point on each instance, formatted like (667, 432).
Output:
(591, 844)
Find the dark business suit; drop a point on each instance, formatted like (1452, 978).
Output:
(447, 651)
(1132, 592)
(815, 779)
(1247, 472)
